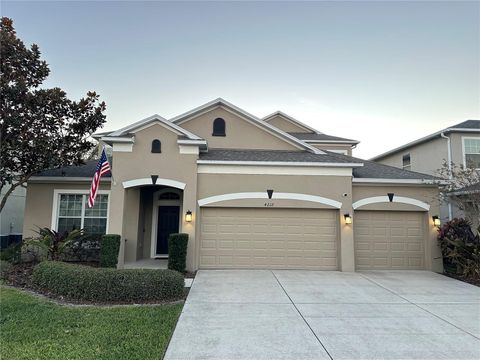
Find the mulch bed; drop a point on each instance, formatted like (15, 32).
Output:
(471, 280)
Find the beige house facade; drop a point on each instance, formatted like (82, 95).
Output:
(458, 144)
(252, 193)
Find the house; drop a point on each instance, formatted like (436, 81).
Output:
(250, 192)
(11, 217)
(458, 144)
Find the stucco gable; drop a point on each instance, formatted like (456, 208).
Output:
(288, 124)
(255, 126)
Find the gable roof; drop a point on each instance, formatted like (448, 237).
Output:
(219, 102)
(465, 126)
(314, 138)
(147, 122)
(290, 119)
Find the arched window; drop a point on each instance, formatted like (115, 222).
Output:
(156, 146)
(218, 127)
(169, 196)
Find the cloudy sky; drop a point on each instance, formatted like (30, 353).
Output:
(383, 72)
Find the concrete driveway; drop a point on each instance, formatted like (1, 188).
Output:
(289, 314)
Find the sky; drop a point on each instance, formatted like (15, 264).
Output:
(384, 72)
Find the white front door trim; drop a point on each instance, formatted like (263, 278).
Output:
(263, 195)
(385, 199)
(160, 181)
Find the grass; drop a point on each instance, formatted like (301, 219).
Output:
(34, 328)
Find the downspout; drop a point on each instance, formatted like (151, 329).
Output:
(449, 157)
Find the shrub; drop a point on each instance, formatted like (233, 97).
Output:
(12, 253)
(86, 249)
(109, 247)
(460, 248)
(51, 242)
(79, 282)
(5, 268)
(177, 252)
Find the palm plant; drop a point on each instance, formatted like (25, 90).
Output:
(53, 242)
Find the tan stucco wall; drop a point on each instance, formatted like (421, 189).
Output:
(39, 203)
(285, 125)
(429, 195)
(141, 163)
(240, 134)
(428, 157)
(425, 158)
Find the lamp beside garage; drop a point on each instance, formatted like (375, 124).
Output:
(188, 216)
(348, 218)
(436, 220)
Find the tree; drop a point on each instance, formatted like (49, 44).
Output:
(39, 128)
(462, 188)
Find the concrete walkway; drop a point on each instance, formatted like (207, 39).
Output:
(288, 314)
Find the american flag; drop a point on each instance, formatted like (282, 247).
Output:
(103, 167)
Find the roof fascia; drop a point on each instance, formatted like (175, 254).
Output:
(292, 120)
(277, 163)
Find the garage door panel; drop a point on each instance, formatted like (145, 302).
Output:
(389, 240)
(269, 238)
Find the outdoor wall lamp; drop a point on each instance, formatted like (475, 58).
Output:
(188, 216)
(348, 218)
(436, 220)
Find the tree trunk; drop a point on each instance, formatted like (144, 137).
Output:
(10, 191)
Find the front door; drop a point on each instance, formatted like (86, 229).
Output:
(168, 223)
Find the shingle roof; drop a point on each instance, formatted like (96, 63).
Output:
(321, 137)
(469, 124)
(369, 169)
(373, 170)
(86, 170)
(272, 155)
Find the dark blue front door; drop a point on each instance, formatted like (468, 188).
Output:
(168, 218)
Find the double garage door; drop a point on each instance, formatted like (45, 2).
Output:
(269, 238)
(261, 238)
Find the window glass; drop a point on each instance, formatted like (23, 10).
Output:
(472, 153)
(218, 127)
(73, 213)
(406, 162)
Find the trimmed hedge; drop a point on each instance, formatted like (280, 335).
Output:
(177, 252)
(79, 282)
(109, 247)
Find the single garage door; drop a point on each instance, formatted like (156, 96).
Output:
(268, 238)
(389, 240)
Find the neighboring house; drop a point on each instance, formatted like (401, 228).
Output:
(11, 217)
(250, 192)
(459, 144)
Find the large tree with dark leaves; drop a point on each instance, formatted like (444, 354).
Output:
(39, 128)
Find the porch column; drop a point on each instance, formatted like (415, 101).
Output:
(116, 216)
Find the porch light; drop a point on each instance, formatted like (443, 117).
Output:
(436, 220)
(348, 218)
(188, 216)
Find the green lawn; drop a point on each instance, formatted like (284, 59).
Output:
(32, 328)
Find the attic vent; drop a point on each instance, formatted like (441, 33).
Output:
(218, 127)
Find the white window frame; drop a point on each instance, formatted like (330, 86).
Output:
(464, 155)
(56, 205)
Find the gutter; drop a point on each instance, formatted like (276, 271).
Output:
(449, 157)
